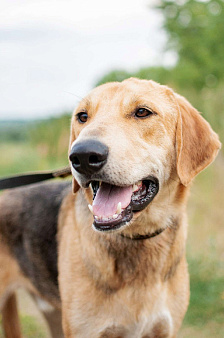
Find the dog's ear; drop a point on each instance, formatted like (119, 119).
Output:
(197, 144)
(75, 186)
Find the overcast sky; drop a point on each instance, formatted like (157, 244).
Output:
(52, 52)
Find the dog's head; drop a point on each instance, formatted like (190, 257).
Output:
(129, 140)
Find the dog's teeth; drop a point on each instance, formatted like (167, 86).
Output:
(104, 219)
(118, 208)
(115, 216)
(90, 208)
(134, 187)
(96, 217)
(100, 182)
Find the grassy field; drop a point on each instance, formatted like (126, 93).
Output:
(205, 249)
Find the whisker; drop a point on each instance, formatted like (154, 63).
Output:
(78, 96)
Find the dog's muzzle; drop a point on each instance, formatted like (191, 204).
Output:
(113, 205)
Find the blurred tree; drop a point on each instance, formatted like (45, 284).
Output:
(115, 75)
(159, 74)
(195, 32)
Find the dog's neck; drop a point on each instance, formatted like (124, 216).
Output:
(113, 261)
(118, 261)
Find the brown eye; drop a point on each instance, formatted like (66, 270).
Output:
(143, 112)
(82, 117)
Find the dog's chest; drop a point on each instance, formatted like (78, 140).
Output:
(122, 318)
(158, 326)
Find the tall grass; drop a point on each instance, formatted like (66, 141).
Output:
(43, 145)
(51, 137)
(29, 326)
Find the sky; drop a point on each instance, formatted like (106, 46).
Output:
(53, 52)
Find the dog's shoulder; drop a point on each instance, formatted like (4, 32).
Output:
(28, 225)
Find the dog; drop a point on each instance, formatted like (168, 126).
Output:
(108, 253)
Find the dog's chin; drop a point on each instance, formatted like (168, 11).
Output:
(142, 195)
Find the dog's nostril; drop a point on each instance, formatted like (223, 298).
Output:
(93, 159)
(75, 160)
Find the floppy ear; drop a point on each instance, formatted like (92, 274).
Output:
(197, 144)
(75, 185)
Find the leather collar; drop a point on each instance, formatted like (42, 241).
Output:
(142, 237)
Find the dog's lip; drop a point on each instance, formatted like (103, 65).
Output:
(111, 182)
(123, 218)
(135, 206)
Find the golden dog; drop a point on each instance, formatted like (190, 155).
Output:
(135, 147)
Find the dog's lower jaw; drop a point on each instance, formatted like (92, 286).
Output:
(119, 229)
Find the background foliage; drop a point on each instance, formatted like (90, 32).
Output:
(195, 32)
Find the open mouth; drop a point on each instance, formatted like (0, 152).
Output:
(114, 206)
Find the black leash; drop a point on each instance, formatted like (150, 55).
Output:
(29, 178)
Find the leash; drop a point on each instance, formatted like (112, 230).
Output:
(34, 177)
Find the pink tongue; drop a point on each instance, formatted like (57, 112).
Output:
(107, 198)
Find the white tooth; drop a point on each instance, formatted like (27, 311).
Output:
(134, 187)
(90, 208)
(115, 216)
(104, 219)
(118, 208)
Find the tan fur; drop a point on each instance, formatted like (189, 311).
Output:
(112, 286)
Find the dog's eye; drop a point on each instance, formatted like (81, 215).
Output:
(143, 112)
(82, 117)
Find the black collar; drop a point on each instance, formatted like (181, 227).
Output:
(141, 237)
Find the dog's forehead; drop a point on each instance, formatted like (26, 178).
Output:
(129, 92)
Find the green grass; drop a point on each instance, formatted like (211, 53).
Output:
(207, 294)
(30, 328)
(205, 255)
(23, 157)
(205, 315)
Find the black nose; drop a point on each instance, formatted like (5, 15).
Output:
(89, 156)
